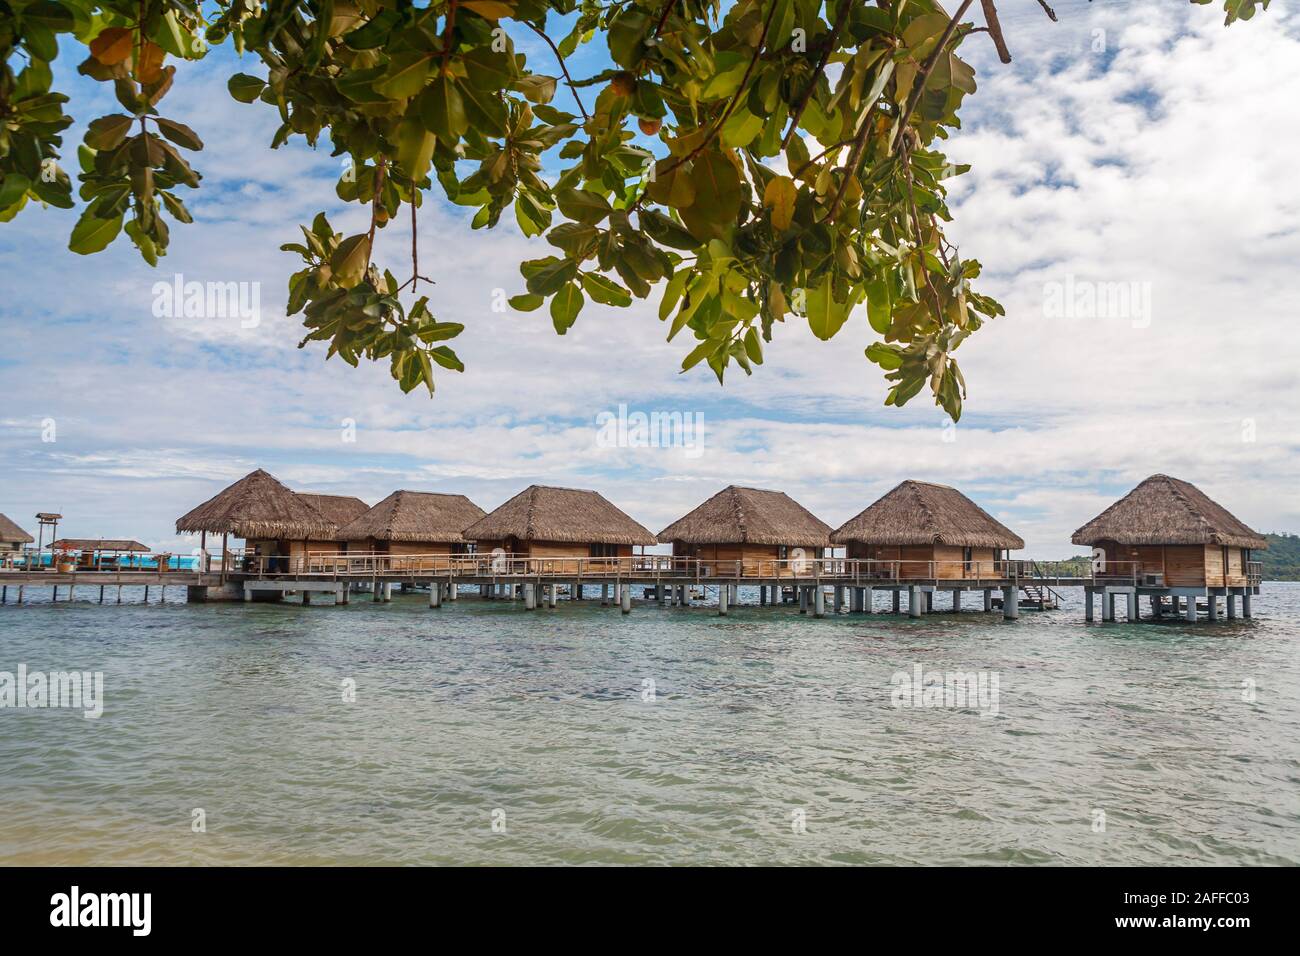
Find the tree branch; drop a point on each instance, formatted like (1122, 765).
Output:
(797, 113)
(919, 83)
(995, 30)
(563, 69)
(731, 105)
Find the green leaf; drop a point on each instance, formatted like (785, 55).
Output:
(443, 111)
(93, 234)
(526, 303)
(107, 132)
(605, 290)
(406, 76)
(879, 305)
(349, 261)
(664, 231)
(717, 196)
(582, 205)
(245, 88)
(886, 356)
(537, 88)
(565, 307)
(178, 133)
(825, 315)
(415, 146)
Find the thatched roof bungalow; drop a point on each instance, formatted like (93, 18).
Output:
(546, 522)
(12, 537)
(408, 523)
(99, 552)
(748, 531)
(338, 510)
(104, 545)
(266, 514)
(1171, 534)
(927, 531)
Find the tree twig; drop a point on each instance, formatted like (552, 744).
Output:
(563, 69)
(995, 30)
(797, 113)
(919, 83)
(1051, 14)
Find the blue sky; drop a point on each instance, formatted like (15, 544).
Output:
(1161, 158)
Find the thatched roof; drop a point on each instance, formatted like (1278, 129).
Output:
(1164, 510)
(258, 506)
(737, 515)
(99, 544)
(415, 516)
(542, 513)
(11, 533)
(917, 512)
(336, 509)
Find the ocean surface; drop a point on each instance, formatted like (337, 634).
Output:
(484, 734)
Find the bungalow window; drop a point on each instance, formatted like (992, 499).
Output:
(604, 551)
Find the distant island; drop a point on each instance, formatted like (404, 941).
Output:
(1281, 560)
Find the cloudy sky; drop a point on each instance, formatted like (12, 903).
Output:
(1133, 143)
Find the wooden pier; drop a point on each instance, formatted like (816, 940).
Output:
(818, 586)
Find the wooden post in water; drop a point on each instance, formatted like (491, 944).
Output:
(819, 601)
(1213, 606)
(1231, 602)
(723, 595)
(897, 601)
(956, 601)
(435, 594)
(1245, 603)
(625, 599)
(1010, 603)
(1190, 615)
(988, 600)
(1087, 604)
(530, 602)
(913, 601)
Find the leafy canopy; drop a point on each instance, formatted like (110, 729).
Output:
(750, 162)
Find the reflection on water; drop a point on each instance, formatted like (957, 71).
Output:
(669, 736)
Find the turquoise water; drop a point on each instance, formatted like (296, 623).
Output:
(542, 718)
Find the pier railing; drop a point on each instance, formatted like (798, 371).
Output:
(848, 571)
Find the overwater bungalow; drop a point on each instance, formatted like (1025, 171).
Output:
(1167, 533)
(412, 530)
(98, 553)
(338, 510)
(12, 538)
(272, 520)
(750, 531)
(542, 522)
(920, 530)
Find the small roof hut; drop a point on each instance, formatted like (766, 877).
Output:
(739, 515)
(572, 515)
(336, 509)
(11, 534)
(101, 545)
(415, 516)
(1165, 510)
(258, 506)
(920, 513)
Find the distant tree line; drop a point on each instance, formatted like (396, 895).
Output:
(1282, 559)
